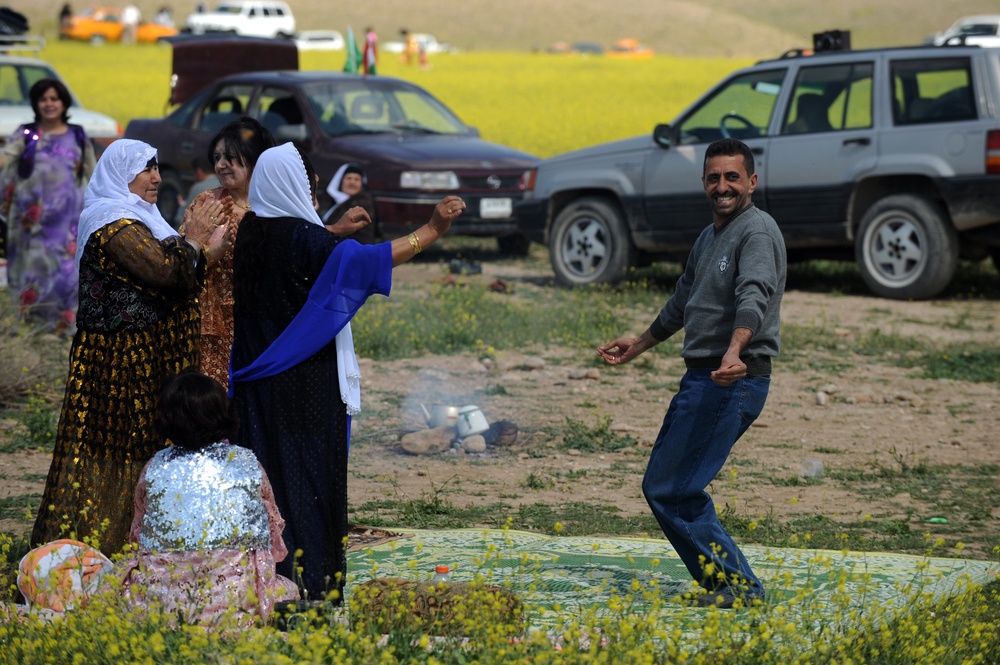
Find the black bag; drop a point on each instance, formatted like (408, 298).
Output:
(12, 22)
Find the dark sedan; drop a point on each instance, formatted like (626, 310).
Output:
(413, 148)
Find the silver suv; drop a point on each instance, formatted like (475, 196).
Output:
(890, 157)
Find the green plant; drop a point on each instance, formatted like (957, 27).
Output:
(599, 438)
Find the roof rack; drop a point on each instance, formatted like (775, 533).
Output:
(21, 43)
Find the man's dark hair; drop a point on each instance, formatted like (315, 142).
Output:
(729, 148)
(246, 138)
(194, 411)
(41, 87)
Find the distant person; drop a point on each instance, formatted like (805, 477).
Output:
(410, 46)
(204, 180)
(130, 20)
(200, 8)
(370, 56)
(728, 302)
(65, 16)
(349, 188)
(164, 17)
(47, 165)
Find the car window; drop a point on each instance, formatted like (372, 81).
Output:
(227, 104)
(16, 81)
(932, 91)
(278, 107)
(830, 98)
(741, 108)
(361, 106)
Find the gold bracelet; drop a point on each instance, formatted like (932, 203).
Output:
(415, 243)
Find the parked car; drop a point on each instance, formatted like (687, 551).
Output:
(412, 147)
(982, 30)
(429, 43)
(104, 24)
(630, 49)
(249, 18)
(319, 40)
(888, 156)
(17, 75)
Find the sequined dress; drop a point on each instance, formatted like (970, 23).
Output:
(137, 324)
(209, 534)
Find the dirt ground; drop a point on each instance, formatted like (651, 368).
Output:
(873, 415)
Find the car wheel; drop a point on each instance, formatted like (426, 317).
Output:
(590, 243)
(514, 245)
(906, 248)
(169, 194)
(97, 40)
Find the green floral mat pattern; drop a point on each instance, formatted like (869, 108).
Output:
(573, 575)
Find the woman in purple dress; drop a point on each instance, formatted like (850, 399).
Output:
(46, 167)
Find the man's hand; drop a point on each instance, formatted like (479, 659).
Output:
(732, 368)
(625, 349)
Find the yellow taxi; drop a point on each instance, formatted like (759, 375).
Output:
(104, 24)
(631, 49)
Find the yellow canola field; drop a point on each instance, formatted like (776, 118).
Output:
(540, 103)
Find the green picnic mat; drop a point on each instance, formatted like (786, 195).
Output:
(573, 575)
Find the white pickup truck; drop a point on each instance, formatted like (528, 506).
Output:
(248, 18)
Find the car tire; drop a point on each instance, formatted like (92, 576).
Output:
(97, 40)
(514, 245)
(906, 248)
(169, 193)
(590, 243)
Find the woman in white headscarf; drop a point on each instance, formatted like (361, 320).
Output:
(349, 188)
(137, 324)
(295, 376)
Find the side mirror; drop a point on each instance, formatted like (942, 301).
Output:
(663, 135)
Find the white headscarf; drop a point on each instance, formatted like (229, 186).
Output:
(108, 199)
(280, 188)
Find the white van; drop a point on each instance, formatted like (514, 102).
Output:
(248, 18)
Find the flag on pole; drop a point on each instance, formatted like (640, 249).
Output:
(353, 63)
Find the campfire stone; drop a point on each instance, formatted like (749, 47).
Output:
(428, 441)
(474, 444)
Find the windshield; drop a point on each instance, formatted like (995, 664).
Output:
(228, 9)
(365, 107)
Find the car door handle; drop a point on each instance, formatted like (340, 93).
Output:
(861, 140)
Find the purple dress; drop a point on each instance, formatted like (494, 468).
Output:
(42, 213)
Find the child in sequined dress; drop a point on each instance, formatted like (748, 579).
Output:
(206, 528)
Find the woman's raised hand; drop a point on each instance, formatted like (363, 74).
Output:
(202, 221)
(350, 222)
(445, 212)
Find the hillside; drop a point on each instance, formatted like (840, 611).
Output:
(669, 26)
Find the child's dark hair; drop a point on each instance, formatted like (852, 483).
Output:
(194, 411)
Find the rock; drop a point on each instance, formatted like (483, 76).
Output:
(577, 374)
(501, 433)
(474, 444)
(428, 441)
(829, 389)
(620, 427)
(532, 363)
(573, 452)
(821, 398)
(593, 373)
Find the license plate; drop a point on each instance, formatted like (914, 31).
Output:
(494, 208)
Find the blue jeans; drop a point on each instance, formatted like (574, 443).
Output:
(702, 424)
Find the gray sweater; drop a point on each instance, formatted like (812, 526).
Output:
(734, 278)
